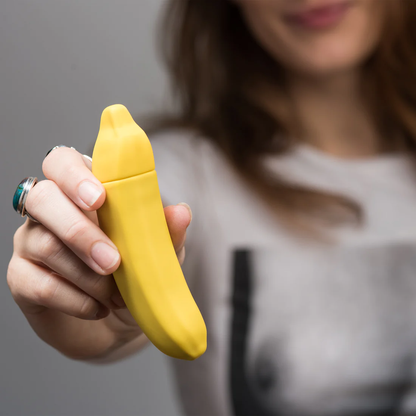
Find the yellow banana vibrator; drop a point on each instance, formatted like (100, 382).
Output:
(149, 278)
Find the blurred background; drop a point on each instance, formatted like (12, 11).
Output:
(62, 63)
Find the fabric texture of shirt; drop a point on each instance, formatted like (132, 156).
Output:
(296, 327)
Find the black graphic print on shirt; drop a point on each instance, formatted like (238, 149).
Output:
(244, 401)
(336, 338)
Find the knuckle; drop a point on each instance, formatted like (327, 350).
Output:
(61, 166)
(71, 178)
(51, 161)
(39, 193)
(76, 229)
(46, 289)
(18, 237)
(11, 277)
(19, 286)
(88, 307)
(46, 164)
(49, 246)
(72, 172)
(101, 288)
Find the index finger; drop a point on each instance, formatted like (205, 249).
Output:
(72, 173)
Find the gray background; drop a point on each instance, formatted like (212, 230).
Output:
(61, 64)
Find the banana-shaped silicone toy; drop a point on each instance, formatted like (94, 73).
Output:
(150, 278)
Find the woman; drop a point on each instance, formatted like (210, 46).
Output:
(294, 146)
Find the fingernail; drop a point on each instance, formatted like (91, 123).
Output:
(118, 300)
(89, 192)
(104, 255)
(187, 207)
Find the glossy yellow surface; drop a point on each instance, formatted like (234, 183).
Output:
(150, 278)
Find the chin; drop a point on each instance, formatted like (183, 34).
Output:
(326, 69)
(324, 62)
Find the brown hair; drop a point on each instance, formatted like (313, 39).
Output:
(224, 81)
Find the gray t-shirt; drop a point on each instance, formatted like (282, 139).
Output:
(296, 327)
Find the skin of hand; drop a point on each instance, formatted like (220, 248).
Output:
(60, 273)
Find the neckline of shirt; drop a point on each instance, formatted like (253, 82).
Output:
(396, 160)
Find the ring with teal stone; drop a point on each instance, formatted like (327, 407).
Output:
(20, 196)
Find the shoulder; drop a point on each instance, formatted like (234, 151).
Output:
(186, 155)
(184, 144)
(174, 140)
(176, 155)
(174, 150)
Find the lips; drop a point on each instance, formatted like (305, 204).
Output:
(320, 17)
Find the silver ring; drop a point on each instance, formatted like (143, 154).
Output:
(62, 145)
(55, 147)
(20, 196)
(24, 187)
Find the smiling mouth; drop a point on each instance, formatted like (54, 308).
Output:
(320, 17)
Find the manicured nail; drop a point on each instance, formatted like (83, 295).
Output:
(104, 255)
(89, 192)
(187, 207)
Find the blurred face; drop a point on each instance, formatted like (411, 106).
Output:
(316, 37)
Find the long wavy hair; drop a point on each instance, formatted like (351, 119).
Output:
(231, 91)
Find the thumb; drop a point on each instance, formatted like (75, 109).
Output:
(178, 218)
